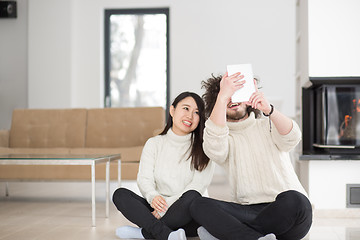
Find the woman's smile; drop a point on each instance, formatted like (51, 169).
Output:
(187, 123)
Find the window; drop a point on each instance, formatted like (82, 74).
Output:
(137, 57)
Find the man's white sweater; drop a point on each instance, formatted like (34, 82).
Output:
(257, 161)
(165, 169)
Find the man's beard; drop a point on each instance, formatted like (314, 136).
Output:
(236, 115)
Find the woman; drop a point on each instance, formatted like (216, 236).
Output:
(173, 171)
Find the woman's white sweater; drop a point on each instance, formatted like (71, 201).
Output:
(165, 169)
(257, 161)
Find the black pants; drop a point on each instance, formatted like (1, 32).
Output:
(289, 217)
(137, 210)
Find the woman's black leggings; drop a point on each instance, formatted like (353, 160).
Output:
(289, 217)
(137, 210)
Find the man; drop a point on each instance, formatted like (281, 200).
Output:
(268, 199)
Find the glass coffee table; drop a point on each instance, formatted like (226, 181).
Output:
(69, 159)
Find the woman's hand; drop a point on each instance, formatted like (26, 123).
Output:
(156, 214)
(229, 85)
(159, 204)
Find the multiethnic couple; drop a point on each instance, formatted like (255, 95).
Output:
(250, 140)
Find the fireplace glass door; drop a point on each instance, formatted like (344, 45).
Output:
(338, 115)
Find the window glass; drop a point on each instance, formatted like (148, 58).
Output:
(137, 59)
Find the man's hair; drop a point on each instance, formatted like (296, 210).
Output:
(212, 89)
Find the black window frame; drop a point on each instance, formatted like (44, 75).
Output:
(139, 11)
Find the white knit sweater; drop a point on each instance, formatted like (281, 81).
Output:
(166, 170)
(257, 161)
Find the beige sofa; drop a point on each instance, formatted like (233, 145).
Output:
(79, 131)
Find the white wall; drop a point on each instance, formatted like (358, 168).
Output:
(13, 63)
(50, 54)
(334, 37)
(66, 47)
(327, 182)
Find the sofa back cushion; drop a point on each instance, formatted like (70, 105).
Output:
(44, 128)
(122, 127)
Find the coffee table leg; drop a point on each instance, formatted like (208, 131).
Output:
(93, 207)
(6, 189)
(119, 173)
(107, 187)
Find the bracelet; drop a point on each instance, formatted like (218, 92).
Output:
(268, 115)
(271, 111)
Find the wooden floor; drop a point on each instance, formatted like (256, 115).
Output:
(62, 210)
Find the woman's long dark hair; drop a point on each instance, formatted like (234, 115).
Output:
(199, 160)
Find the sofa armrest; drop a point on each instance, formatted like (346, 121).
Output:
(4, 137)
(157, 131)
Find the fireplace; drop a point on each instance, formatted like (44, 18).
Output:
(331, 116)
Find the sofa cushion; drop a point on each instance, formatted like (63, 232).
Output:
(4, 138)
(122, 127)
(130, 158)
(48, 128)
(34, 151)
